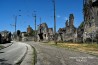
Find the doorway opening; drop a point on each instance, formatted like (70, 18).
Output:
(41, 36)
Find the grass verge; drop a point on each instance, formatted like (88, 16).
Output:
(34, 56)
(1, 47)
(87, 48)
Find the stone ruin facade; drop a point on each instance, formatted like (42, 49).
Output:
(50, 34)
(69, 32)
(90, 20)
(44, 33)
(29, 30)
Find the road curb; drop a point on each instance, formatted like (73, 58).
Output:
(7, 46)
(30, 56)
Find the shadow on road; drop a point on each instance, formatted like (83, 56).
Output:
(1, 52)
(3, 62)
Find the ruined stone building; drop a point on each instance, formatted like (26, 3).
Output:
(61, 34)
(50, 33)
(69, 32)
(44, 33)
(29, 30)
(80, 32)
(90, 11)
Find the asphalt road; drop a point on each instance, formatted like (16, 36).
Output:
(12, 54)
(49, 55)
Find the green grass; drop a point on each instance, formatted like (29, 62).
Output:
(34, 56)
(85, 47)
(1, 46)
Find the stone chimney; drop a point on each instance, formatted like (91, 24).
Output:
(67, 24)
(71, 20)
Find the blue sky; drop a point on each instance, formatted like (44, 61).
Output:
(44, 9)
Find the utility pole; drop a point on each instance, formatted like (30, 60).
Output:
(35, 26)
(54, 21)
(15, 23)
(40, 20)
(40, 25)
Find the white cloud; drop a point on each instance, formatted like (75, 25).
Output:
(58, 16)
(65, 18)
